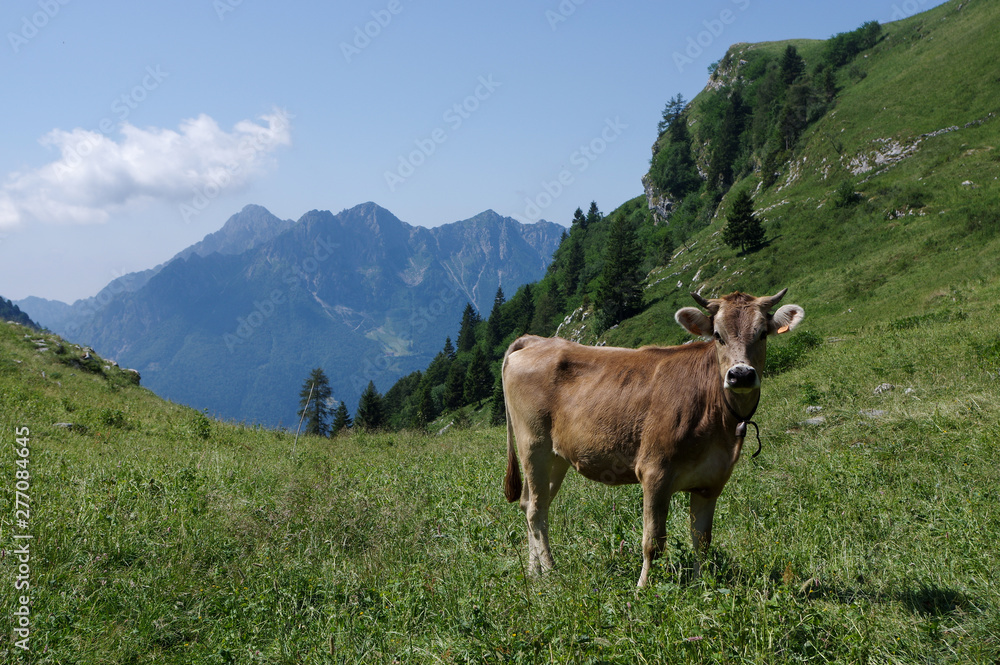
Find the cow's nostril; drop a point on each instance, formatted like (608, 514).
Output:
(741, 376)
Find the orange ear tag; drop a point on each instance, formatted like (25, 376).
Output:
(782, 329)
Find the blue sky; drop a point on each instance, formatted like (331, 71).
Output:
(131, 130)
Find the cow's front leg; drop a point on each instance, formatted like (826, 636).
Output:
(702, 514)
(656, 494)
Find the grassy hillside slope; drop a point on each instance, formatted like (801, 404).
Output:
(917, 138)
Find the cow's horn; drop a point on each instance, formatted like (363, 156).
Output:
(707, 304)
(767, 303)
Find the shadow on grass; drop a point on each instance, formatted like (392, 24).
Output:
(677, 563)
(924, 599)
(764, 244)
(936, 601)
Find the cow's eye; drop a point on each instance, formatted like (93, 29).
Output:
(718, 338)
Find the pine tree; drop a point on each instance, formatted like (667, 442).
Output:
(593, 214)
(496, 328)
(736, 221)
(341, 419)
(673, 169)
(498, 410)
(314, 403)
(579, 220)
(454, 386)
(467, 330)
(478, 381)
(449, 349)
(523, 305)
(371, 414)
(792, 65)
(743, 229)
(619, 293)
(575, 260)
(438, 369)
(795, 113)
(671, 112)
(726, 146)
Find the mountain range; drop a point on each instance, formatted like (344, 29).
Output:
(234, 323)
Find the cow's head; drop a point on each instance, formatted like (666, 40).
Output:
(740, 324)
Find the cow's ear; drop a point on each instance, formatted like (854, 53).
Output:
(785, 319)
(692, 320)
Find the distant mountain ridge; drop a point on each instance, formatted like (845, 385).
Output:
(247, 228)
(234, 323)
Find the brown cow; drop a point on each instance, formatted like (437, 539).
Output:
(670, 418)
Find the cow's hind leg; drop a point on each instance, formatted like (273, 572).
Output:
(702, 515)
(543, 473)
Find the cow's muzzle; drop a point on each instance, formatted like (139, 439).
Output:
(741, 378)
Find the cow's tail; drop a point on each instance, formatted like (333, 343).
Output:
(512, 482)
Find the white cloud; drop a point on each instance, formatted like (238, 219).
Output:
(97, 176)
